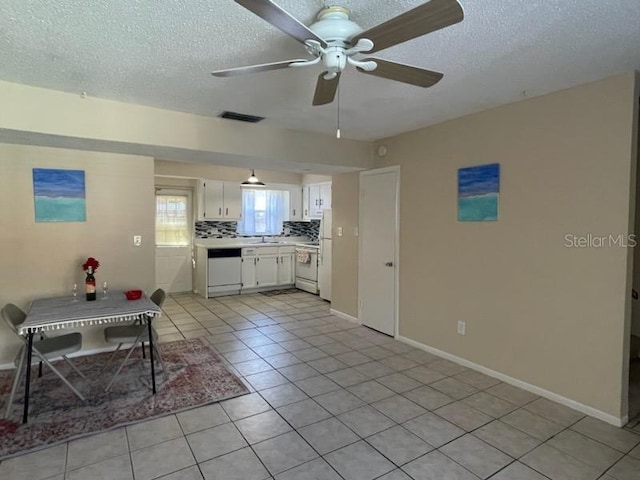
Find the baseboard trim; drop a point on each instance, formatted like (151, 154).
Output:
(345, 316)
(567, 402)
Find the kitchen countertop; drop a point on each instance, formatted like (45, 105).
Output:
(243, 242)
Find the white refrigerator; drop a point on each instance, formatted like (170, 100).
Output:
(324, 256)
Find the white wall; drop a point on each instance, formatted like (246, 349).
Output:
(33, 114)
(555, 317)
(44, 259)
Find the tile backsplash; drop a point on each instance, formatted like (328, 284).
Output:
(216, 229)
(228, 229)
(309, 229)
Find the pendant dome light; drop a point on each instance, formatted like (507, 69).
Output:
(252, 181)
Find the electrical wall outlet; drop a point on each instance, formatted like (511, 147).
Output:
(339, 231)
(462, 327)
(137, 240)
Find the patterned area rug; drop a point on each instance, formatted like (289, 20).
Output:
(195, 377)
(273, 293)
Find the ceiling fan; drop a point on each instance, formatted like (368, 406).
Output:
(334, 40)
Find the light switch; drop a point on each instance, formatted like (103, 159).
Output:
(137, 240)
(339, 231)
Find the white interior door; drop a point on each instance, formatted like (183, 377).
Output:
(174, 240)
(378, 272)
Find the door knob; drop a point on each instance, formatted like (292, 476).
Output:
(388, 264)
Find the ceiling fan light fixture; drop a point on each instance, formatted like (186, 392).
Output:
(334, 23)
(252, 181)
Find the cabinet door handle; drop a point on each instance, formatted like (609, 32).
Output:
(305, 212)
(254, 261)
(294, 212)
(220, 211)
(277, 260)
(227, 212)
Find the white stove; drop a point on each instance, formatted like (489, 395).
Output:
(307, 268)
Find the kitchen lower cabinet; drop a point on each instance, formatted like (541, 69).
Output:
(265, 267)
(286, 273)
(267, 270)
(249, 267)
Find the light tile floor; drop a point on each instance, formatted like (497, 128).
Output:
(332, 400)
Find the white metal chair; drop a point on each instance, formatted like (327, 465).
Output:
(44, 351)
(135, 334)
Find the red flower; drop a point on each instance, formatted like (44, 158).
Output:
(91, 262)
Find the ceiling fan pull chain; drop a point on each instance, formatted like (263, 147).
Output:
(338, 102)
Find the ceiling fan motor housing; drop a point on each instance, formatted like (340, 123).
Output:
(334, 25)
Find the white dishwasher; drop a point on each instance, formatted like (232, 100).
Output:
(224, 271)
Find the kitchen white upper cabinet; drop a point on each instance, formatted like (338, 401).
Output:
(267, 270)
(317, 197)
(210, 199)
(305, 202)
(325, 196)
(219, 200)
(232, 200)
(295, 204)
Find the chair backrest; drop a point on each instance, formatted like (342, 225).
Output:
(158, 297)
(13, 316)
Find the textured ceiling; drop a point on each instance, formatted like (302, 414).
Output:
(161, 52)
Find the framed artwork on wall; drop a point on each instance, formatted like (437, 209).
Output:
(59, 195)
(478, 193)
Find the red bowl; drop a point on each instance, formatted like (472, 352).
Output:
(133, 294)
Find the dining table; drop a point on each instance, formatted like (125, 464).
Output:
(58, 313)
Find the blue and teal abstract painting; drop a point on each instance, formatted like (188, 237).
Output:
(478, 191)
(59, 195)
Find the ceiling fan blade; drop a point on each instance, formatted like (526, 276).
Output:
(264, 67)
(325, 89)
(419, 21)
(403, 73)
(281, 19)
